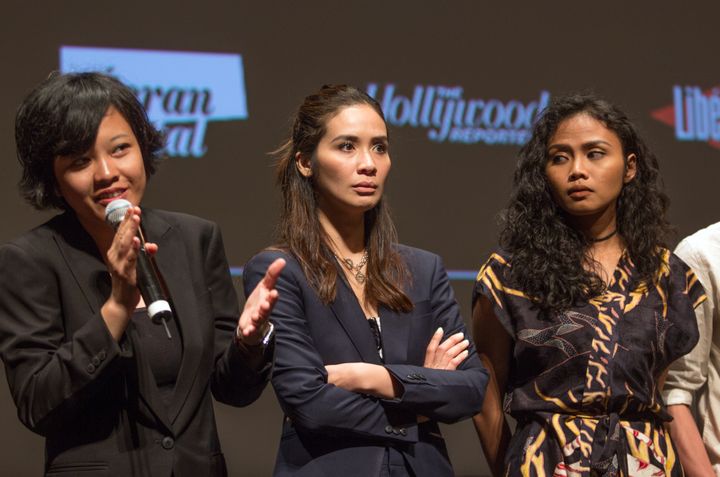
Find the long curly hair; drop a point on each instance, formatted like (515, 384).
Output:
(548, 253)
(299, 229)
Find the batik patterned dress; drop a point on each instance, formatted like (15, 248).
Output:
(583, 385)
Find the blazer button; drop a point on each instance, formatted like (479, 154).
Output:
(403, 431)
(411, 377)
(388, 429)
(90, 368)
(95, 361)
(168, 442)
(102, 355)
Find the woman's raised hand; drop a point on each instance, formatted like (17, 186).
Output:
(121, 259)
(253, 320)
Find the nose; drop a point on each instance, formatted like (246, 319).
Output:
(106, 170)
(578, 169)
(366, 163)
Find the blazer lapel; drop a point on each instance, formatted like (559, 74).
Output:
(83, 259)
(173, 268)
(395, 335)
(348, 312)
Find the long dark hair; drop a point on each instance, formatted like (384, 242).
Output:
(299, 229)
(61, 117)
(547, 252)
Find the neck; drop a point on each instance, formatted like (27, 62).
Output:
(600, 229)
(597, 226)
(346, 232)
(101, 233)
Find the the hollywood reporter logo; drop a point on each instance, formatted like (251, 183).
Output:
(181, 91)
(449, 117)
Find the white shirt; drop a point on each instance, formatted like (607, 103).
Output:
(694, 379)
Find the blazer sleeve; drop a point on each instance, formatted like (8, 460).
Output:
(241, 373)
(51, 375)
(443, 395)
(300, 379)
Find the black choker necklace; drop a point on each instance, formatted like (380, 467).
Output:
(602, 239)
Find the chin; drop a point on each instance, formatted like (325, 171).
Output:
(369, 206)
(583, 211)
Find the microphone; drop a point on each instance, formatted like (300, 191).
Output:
(158, 308)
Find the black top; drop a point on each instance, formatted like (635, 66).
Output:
(164, 354)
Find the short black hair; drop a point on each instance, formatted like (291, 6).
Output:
(61, 117)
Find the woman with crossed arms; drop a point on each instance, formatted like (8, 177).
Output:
(372, 352)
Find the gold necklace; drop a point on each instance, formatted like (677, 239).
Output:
(356, 270)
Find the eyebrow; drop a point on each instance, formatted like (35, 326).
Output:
(584, 146)
(351, 138)
(118, 136)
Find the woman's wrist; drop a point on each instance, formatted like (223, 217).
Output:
(261, 340)
(116, 317)
(374, 379)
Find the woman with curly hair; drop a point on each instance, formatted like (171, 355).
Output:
(583, 309)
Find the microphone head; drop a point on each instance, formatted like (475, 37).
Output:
(115, 211)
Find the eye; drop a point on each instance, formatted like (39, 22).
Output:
(380, 148)
(596, 154)
(557, 159)
(120, 149)
(79, 162)
(346, 146)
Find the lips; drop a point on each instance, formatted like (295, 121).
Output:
(106, 196)
(365, 187)
(579, 192)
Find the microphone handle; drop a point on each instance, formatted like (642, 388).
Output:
(158, 308)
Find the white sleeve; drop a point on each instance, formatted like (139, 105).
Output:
(689, 373)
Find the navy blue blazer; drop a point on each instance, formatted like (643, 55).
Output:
(329, 431)
(95, 400)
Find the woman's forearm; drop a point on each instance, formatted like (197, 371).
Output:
(688, 442)
(364, 378)
(492, 427)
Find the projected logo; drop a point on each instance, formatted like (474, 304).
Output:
(695, 114)
(181, 91)
(449, 117)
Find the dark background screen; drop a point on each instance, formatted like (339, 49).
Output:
(446, 187)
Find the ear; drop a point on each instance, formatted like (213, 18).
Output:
(302, 162)
(630, 168)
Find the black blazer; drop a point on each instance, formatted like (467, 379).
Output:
(329, 431)
(95, 400)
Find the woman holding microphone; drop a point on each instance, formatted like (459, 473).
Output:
(113, 392)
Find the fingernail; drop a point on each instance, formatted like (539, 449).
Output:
(466, 343)
(460, 334)
(439, 330)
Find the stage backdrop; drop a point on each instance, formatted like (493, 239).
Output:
(460, 83)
